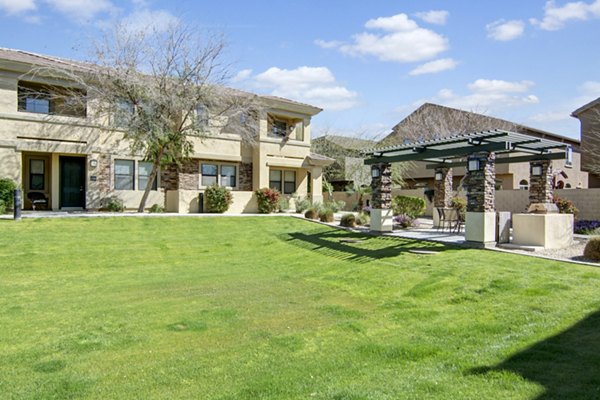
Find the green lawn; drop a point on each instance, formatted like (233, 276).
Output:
(279, 308)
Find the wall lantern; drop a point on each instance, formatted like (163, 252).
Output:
(536, 170)
(93, 163)
(473, 164)
(439, 176)
(375, 172)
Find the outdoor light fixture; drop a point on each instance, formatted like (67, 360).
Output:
(93, 163)
(375, 172)
(473, 164)
(439, 176)
(536, 170)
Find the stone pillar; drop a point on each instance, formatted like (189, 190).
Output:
(540, 186)
(443, 188)
(381, 198)
(480, 224)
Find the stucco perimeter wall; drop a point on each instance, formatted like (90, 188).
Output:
(186, 201)
(587, 201)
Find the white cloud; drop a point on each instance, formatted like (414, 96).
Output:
(149, 21)
(555, 17)
(402, 41)
(241, 76)
(505, 30)
(437, 17)
(13, 7)
(82, 10)
(328, 44)
(313, 85)
(587, 92)
(433, 67)
(490, 95)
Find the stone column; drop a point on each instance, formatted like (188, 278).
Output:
(540, 186)
(381, 198)
(480, 224)
(442, 189)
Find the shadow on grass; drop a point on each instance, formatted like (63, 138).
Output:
(358, 247)
(567, 364)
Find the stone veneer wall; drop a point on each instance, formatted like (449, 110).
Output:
(382, 187)
(482, 184)
(442, 196)
(245, 177)
(540, 186)
(169, 178)
(189, 175)
(104, 173)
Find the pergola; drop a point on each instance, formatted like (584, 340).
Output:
(477, 151)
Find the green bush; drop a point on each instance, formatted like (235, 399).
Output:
(363, 219)
(592, 249)
(7, 191)
(311, 213)
(268, 200)
(283, 204)
(218, 199)
(348, 220)
(302, 203)
(2, 207)
(459, 204)
(156, 208)
(326, 215)
(336, 206)
(408, 205)
(114, 204)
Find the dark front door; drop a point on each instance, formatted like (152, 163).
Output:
(72, 182)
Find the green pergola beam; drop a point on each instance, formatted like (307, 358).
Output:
(504, 160)
(425, 153)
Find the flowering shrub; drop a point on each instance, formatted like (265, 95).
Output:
(405, 221)
(218, 199)
(586, 227)
(268, 200)
(565, 206)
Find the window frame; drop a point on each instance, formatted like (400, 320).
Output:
(37, 92)
(219, 175)
(135, 176)
(116, 175)
(37, 174)
(282, 180)
(154, 184)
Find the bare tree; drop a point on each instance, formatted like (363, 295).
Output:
(160, 88)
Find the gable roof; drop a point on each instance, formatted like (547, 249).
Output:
(585, 107)
(469, 121)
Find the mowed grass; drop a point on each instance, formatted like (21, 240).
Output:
(280, 308)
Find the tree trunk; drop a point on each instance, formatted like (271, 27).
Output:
(151, 179)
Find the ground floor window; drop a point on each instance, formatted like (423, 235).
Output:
(125, 173)
(37, 177)
(219, 174)
(283, 180)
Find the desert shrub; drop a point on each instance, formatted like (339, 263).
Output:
(283, 204)
(7, 192)
(268, 200)
(586, 227)
(311, 213)
(218, 199)
(156, 208)
(302, 203)
(2, 207)
(592, 249)
(459, 204)
(406, 221)
(408, 205)
(114, 204)
(565, 206)
(363, 219)
(348, 220)
(366, 210)
(337, 206)
(326, 215)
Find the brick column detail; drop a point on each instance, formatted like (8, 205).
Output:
(540, 186)
(482, 184)
(442, 196)
(382, 186)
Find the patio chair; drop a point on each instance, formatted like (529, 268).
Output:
(448, 217)
(37, 199)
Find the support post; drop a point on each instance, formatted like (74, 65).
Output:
(442, 191)
(540, 182)
(381, 198)
(480, 224)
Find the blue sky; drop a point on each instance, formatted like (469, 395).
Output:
(368, 64)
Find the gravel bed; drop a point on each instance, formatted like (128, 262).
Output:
(572, 253)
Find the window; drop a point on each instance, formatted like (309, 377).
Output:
(144, 171)
(288, 185)
(219, 174)
(54, 100)
(524, 185)
(202, 115)
(279, 128)
(36, 174)
(124, 174)
(123, 112)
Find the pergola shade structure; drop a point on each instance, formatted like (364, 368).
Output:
(445, 152)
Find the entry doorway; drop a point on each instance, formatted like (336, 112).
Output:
(72, 182)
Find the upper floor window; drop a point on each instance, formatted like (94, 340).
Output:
(123, 112)
(52, 100)
(285, 127)
(202, 115)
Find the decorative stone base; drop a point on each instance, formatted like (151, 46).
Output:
(382, 220)
(480, 227)
(550, 231)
